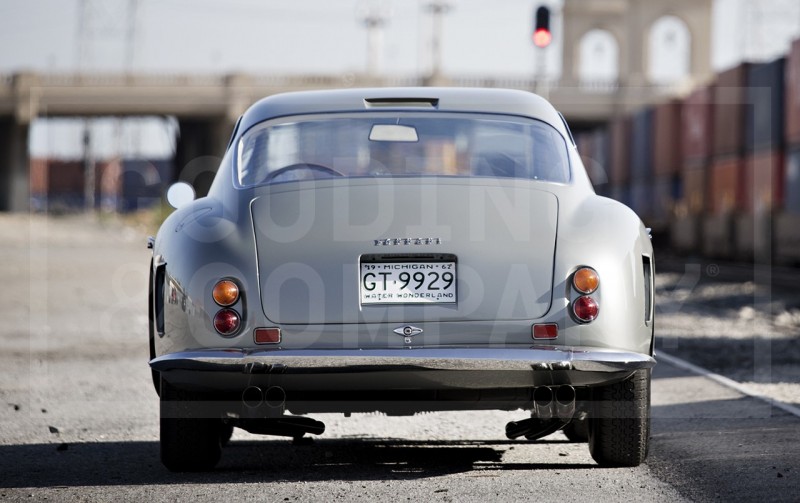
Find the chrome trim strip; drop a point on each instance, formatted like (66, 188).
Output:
(454, 359)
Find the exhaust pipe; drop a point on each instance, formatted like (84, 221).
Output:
(551, 411)
(252, 397)
(543, 403)
(285, 426)
(533, 428)
(275, 397)
(565, 402)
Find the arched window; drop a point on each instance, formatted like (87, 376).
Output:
(669, 55)
(599, 57)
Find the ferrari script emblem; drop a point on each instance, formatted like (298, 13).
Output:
(407, 241)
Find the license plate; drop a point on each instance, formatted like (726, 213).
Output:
(408, 283)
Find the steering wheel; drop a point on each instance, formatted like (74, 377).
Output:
(302, 165)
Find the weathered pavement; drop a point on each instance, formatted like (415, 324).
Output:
(79, 416)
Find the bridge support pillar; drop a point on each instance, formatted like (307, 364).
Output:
(14, 166)
(199, 149)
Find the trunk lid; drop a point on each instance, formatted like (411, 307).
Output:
(312, 237)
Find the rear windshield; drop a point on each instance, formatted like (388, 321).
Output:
(400, 145)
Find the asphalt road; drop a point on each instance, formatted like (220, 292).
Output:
(79, 415)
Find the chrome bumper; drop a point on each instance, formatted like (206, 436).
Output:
(313, 361)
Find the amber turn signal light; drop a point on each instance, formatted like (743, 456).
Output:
(226, 293)
(585, 280)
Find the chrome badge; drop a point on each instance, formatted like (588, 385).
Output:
(407, 331)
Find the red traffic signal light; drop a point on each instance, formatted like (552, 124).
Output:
(541, 32)
(542, 38)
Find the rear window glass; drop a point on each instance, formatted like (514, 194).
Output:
(404, 144)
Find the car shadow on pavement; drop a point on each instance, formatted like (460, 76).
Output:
(135, 463)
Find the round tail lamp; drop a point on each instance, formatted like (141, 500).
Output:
(585, 308)
(227, 322)
(226, 293)
(585, 280)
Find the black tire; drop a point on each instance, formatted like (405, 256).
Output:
(577, 430)
(619, 421)
(190, 436)
(225, 433)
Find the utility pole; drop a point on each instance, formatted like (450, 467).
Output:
(437, 8)
(130, 35)
(89, 177)
(374, 19)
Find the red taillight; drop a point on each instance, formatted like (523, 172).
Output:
(227, 322)
(545, 331)
(267, 335)
(585, 308)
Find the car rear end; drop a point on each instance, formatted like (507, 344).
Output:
(410, 257)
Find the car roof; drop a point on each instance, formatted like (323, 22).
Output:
(443, 99)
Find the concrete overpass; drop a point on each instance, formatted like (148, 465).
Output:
(207, 106)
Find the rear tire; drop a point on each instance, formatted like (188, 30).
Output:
(155, 375)
(190, 437)
(619, 421)
(225, 433)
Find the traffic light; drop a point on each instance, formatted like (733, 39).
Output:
(541, 31)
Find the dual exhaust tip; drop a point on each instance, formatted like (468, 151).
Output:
(549, 404)
(274, 397)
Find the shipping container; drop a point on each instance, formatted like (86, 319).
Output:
(787, 238)
(697, 125)
(144, 182)
(753, 237)
(641, 145)
(38, 176)
(667, 150)
(667, 193)
(583, 141)
(642, 200)
(792, 182)
(619, 153)
(65, 186)
(724, 181)
(621, 193)
(600, 167)
(686, 233)
(763, 182)
(792, 95)
(730, 96)
(56, 185)
(764, 109)
(602, 148)
(38, 184)
(717, 236)
(694, 189)
(108, 185)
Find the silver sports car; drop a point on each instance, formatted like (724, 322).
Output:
(400, 251)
